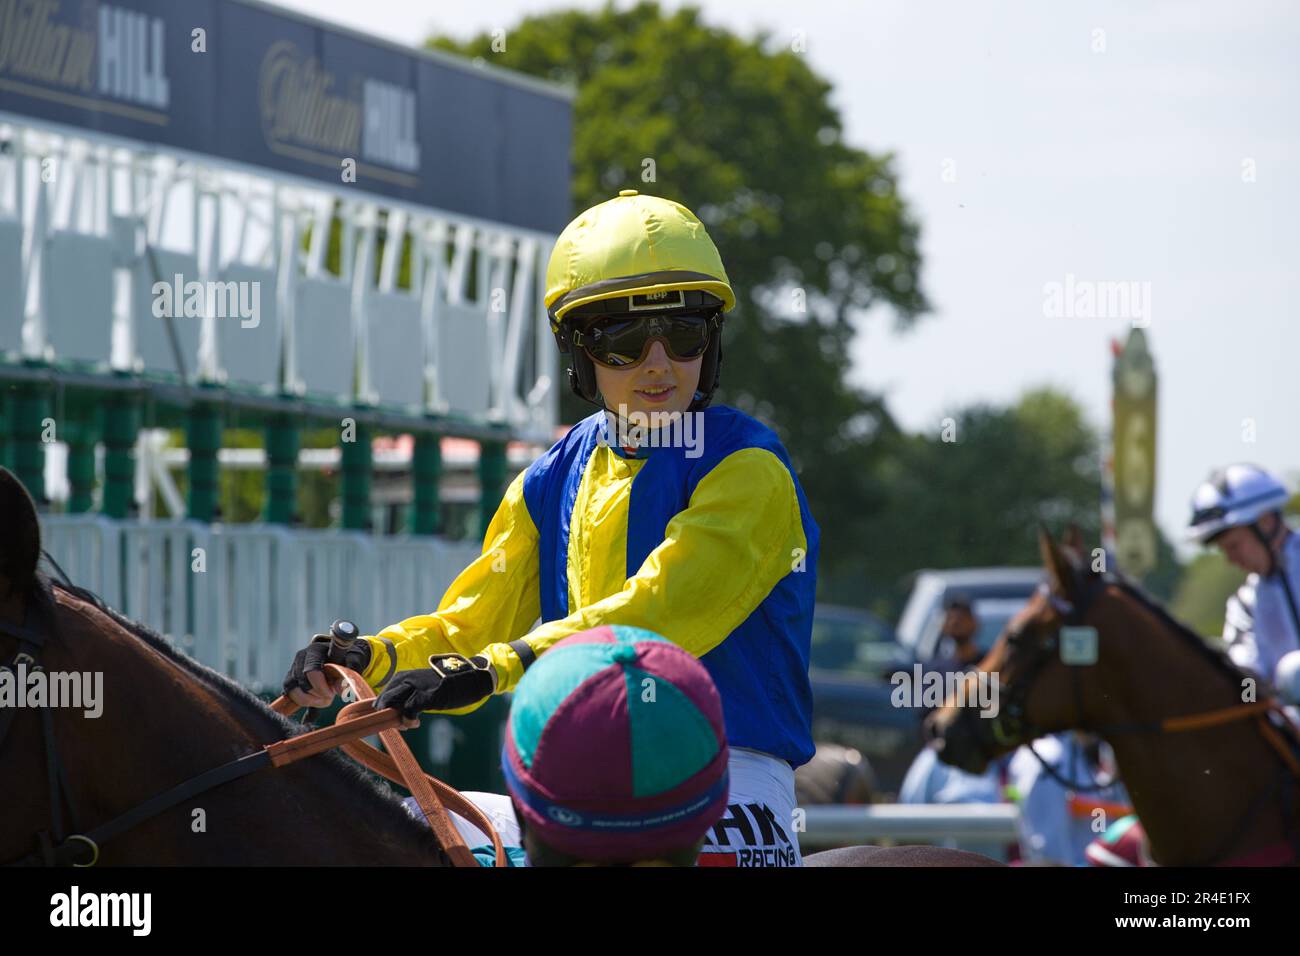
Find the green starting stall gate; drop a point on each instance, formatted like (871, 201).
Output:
(338, 233)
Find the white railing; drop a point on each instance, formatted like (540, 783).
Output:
(243, 598)
(984, 827)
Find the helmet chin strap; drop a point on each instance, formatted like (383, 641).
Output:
(1269, 540)
(593, 399)
(710, 368)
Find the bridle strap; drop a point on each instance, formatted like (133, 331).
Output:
(57, 778)
(1216, 718)
(31, 641)
(1094, 787)
(1274, 738)
(68, 850)
(358, 719)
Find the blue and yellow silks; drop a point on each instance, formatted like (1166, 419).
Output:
(716, 552)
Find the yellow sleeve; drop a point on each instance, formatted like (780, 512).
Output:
(740, 534)
(494, 599)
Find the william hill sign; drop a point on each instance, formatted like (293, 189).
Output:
(109, 52)
(245, 82)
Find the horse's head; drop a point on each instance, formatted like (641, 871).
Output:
(1040, 687)
(1090, 651)
(20, 545)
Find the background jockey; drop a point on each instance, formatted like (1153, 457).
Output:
(1239, 509)
(615, 753)
(708, 542)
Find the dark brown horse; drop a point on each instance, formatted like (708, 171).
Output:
(166, 719)
(1207, 758)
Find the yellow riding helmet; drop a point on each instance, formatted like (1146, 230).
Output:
(632, 245)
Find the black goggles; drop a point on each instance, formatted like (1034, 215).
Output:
(622, 341)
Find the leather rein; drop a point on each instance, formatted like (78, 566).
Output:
(356, 720)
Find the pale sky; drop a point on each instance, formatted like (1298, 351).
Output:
(1124, 164)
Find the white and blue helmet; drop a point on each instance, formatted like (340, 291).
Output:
(1232, 497)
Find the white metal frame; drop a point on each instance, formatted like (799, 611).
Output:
(136, 197)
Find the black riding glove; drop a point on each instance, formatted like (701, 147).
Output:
(450, 682)
(320, 652)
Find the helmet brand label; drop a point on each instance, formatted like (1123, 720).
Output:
(667, 299)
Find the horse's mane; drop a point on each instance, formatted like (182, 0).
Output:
(1217, 656)
(367, 787)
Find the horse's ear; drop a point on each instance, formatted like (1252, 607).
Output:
(20, 549)
(1060, 573)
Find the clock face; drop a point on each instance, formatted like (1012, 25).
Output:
(1137, 380)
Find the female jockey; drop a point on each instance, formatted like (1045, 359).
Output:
(658, 511)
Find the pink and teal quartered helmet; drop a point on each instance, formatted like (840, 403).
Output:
(615, 748)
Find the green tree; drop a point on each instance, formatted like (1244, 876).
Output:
(1166, 578)
(973, 491)
(1205, 588)
(812, 230)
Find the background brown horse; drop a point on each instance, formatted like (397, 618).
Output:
(1208, 795)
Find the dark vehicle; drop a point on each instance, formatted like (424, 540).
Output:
(850, 640)
(854, 653)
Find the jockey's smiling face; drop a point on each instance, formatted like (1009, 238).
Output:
(657, 384)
